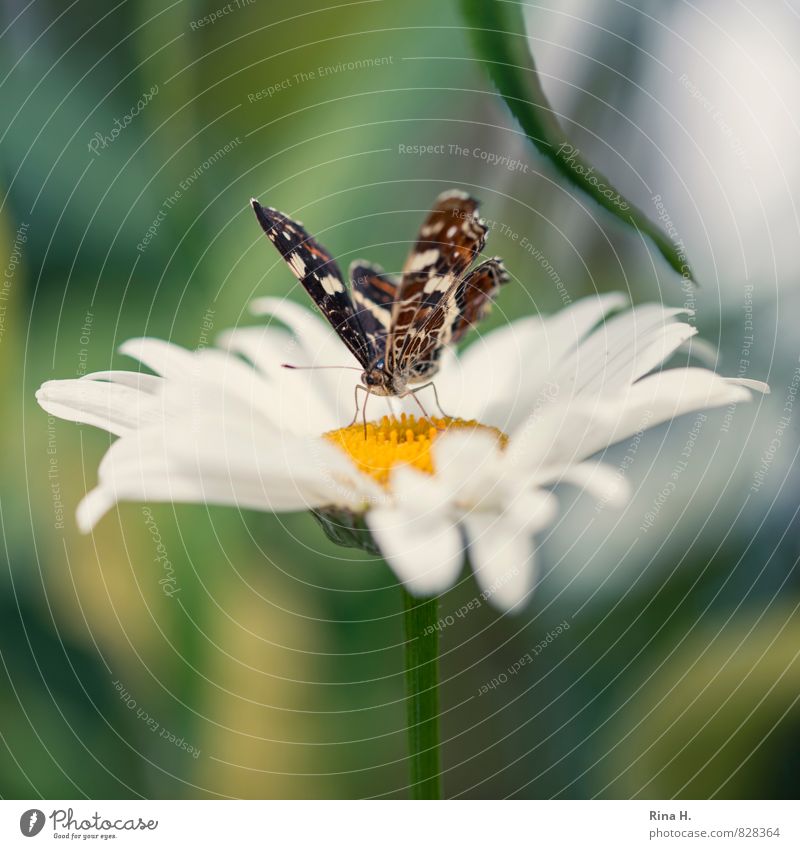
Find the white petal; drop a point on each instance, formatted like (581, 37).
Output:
(502, 558)
(654, 349)
(566, 328)
(93, 506)
(272, 349)
(606, 483)
(115, 407)
(208, 377)
(467, 463)
(425, 551)
(495, 382)
(266, 347)
(672, 393)
(163, 358)
(319, 346)
(318, 340)
(310, 332)
(755, 385)
(531, 510)
(479, 387)
(298, 400)
(417, 492)
(305, 472)
(149, 383)
(607, 359)
(213, 379)
(568, 433)
(226, 462)
(279, 401)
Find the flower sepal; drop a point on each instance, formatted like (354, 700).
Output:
(346, 528)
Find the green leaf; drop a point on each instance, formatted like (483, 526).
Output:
(500, 41)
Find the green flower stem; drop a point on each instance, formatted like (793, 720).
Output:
(422, 697)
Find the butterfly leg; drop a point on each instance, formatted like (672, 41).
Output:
(364, 413)
(436, 398)
(355, 399)
(425, 413)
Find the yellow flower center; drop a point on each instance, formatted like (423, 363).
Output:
(392, 441)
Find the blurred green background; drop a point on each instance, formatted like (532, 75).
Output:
(275, 669)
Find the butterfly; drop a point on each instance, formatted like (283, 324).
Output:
(397, 329)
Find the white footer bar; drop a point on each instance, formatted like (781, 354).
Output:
(390, 824)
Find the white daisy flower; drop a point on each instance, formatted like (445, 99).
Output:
(532, 404)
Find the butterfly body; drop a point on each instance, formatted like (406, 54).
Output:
(381, 382)
(397, 329)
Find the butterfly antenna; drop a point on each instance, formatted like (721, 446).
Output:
(308, 368)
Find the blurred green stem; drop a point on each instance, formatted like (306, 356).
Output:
(422, 697)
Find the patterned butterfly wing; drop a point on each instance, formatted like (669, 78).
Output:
(316, 269)
(475, 294)
(449, 240)
(374, 294)
(464, 307)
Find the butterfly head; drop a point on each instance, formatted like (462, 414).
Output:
(379, 381)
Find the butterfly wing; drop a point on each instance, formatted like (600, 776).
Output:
(461, 309)
(317, 270)
(475, 294)
(374, 294)
(449, 240)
